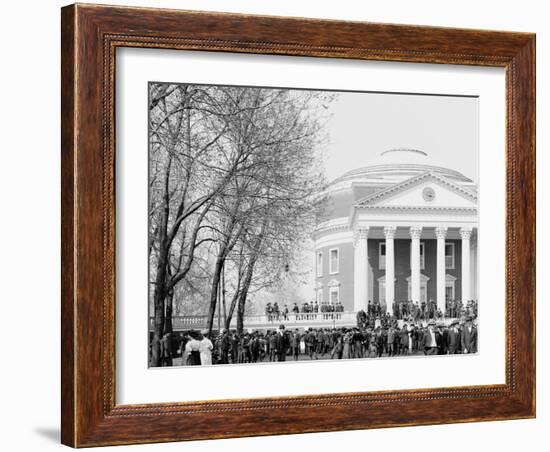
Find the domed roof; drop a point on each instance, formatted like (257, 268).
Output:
(390, 167)
(397, 155)
(399, 164)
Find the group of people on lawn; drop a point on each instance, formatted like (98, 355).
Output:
(362, 341)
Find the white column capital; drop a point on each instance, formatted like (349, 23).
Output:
(441, 232)
(440, 268)
(465, 233)
(415, 232)
(389, 232)
(361, 267)
(361, 232)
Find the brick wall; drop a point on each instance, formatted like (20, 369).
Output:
(344, 275)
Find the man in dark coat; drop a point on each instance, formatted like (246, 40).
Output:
(404, 339)
(282, 343)
(234, 342)
(469, 337)
(254, 348)
(453, 338)
(295, 340)
(358, 343)
(444, 331)
(311, 343)
(225, 347)
(390, 341)
(166, 350)
(380, 342)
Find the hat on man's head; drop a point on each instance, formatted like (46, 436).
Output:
(281, 327)
(431, 322)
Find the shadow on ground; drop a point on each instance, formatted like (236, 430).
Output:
(50, 433)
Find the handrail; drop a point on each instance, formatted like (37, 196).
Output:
(198, 321)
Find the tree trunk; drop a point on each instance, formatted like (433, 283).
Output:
(158, 327)
(231, 309)
(223, 296)
(244, 293)
(225, 248)
(159, 293)
(248, 278)
(214, 294)
(240, 314)
(168, 328)
(159, 296)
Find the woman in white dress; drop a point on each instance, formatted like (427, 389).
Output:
(205, 348)
(191, 355)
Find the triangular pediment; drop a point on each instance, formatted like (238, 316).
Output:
(426, 190)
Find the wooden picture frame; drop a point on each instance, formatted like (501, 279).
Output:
(90, 35)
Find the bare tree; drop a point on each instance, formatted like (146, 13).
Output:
(276, 199)
(191, 168)
(234, 178)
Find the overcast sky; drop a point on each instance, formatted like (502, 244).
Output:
(365, 124)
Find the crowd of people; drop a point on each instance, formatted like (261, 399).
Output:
(402, 310)
(363, 341)
(415, 313)
(427, 309)
(274, 313)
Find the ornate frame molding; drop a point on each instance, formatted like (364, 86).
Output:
(90, 35)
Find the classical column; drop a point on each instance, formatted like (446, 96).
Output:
(440, 234)
(473, 268)
(465, 233)
(415, 232)
(361, 270)
(389, 233)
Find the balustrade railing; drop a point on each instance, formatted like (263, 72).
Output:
(273, 320)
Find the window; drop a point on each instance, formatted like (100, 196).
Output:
(319, 264)
(319, 296)
(334, 295)
(450, 281)
(449, 255)
(382, 255)
(333, 261)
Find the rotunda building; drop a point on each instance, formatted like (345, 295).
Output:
(396, 231)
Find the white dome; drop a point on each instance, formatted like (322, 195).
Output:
(400, 164)
(400, 155)
(391, 167)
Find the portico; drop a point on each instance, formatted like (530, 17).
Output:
(396, 233)
(416, 281)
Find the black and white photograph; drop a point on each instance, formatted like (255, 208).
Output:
(293, 225)
(275, 226)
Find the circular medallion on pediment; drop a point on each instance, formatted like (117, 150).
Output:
(428, 194)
